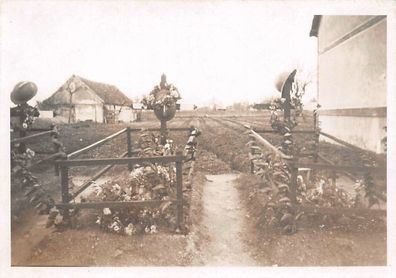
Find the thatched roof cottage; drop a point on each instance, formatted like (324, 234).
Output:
(90, 100)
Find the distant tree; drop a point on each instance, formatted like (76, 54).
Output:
(240, 106)
(44, 105)
(265, 103)
(269, 99)
(261, 106)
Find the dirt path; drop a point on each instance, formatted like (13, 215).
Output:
(27, 238)
(223, 220)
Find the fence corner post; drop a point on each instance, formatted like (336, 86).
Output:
(293, 179)
(65, 190)
(129, 146)
(56, 168)
(179, 191)
(317, 134)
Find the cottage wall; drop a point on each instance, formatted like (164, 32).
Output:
(352, 78)
(127, 115)
(46, 114)
(88, 103)
(123, 113)
(62, 112)
(92, 112)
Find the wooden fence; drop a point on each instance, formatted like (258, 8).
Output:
(68, 197)
(294, 161)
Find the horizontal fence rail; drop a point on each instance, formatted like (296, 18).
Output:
(343, 211)
(354, 177)
(115, 204)
(339, 167)
(96, 144)
(259, 130)
(100, 173)
(32, 137)
(158, 129)
(295, 164)
(342, 142)
(34, 129)
(261, 140)
(68, 198)
(114, 161)
(35, 137)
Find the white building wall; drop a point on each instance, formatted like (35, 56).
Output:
(365, 132)
(335, 26)
(46, 114)
(352, 74)
(127, 115)
(123, 113)
(84, 112)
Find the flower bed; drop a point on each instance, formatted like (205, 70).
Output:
(146, 182)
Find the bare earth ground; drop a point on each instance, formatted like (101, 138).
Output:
(338, 241)
(224, 218)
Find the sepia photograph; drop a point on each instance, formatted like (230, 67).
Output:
(244, 137)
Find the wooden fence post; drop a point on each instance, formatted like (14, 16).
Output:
(293, 180)
(334, 178)
(164, 132)
(316, 146)
(316, 130)
(251, 162)
(179, 191)
(129, 146)
(56, 166)
(65, 190)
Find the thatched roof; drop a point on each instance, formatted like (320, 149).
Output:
(109, 94)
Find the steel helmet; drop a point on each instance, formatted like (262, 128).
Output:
(23, 92)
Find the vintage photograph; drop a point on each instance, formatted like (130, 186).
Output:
(194, 134)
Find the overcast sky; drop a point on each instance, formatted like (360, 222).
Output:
(230, 51)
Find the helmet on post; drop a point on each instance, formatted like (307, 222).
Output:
(23, 92)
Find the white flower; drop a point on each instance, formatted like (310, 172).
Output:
(153, 229)
(106, 211)
(130, 229)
